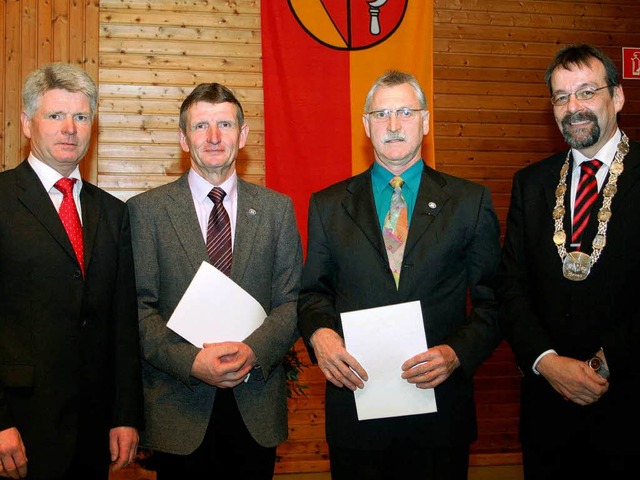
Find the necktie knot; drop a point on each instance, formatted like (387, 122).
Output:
(216, 195)
(65, 185)
(590, 167)
(396, 182)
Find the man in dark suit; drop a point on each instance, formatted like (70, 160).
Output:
(70, 386)
(452, 249)
(569, 300)
(221, 408)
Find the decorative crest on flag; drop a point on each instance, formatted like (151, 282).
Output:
(349, 24)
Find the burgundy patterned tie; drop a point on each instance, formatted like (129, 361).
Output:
(70, 218)
(219, 233)
(586, 195)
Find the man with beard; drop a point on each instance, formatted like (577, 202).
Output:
(567, 297)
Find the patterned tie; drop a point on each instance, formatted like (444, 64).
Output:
(219, 233)
(70, 218)
(395, 228)
(586, 195)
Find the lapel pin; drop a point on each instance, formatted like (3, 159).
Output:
(432, 205)
(252, 211)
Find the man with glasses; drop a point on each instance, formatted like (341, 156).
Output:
(401, 232)
(567, 288)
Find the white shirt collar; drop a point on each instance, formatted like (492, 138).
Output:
(48, 176)
(605, 154)
(200, 187)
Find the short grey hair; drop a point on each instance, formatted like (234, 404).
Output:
(393, 78)
(63, 76)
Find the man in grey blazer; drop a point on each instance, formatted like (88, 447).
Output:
(222, 406)
(452, 250)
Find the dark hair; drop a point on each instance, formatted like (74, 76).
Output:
(211, 93)
(582, 56)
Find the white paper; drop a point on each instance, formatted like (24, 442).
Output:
(215, 309)
(382, 339)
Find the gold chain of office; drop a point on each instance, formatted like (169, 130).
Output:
(577, 265)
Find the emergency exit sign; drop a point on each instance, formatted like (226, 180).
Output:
(630, 63)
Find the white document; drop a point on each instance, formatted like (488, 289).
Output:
(215, 309)
(382, 339)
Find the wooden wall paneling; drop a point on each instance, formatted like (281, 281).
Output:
(152, 54)
(3, 59)
(60, 30)
(88, 57)
(492, 117)
(306, 449)
(36, 33)
(12, 79)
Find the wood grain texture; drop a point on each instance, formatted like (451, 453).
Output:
(35, 33)
(491, 117)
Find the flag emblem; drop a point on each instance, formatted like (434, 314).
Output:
(349, 24)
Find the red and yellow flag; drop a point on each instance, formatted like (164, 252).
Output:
(320, 57)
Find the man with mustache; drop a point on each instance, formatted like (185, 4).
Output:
(568, 299)
(402, 232)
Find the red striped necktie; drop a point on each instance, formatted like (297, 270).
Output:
(586, 195)
(219, 233)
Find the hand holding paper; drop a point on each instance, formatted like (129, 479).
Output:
(215, 309)
(338, 366)
(429, 369)
(383, 339)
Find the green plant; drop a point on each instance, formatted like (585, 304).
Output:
(293, 366)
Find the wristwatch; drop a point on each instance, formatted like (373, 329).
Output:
(599, 366)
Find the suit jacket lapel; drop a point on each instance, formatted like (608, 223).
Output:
(429, 203)
(183, 218)
(552, 178)
(626, 181)
(37, 201)
(359, 205)
(91, 213)
(631, 173)
(247, 221)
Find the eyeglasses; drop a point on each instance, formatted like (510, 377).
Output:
(582, 95)
(404, 114)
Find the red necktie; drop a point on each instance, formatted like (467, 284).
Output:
(219, 233)
(70, 218)
(586, 195)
